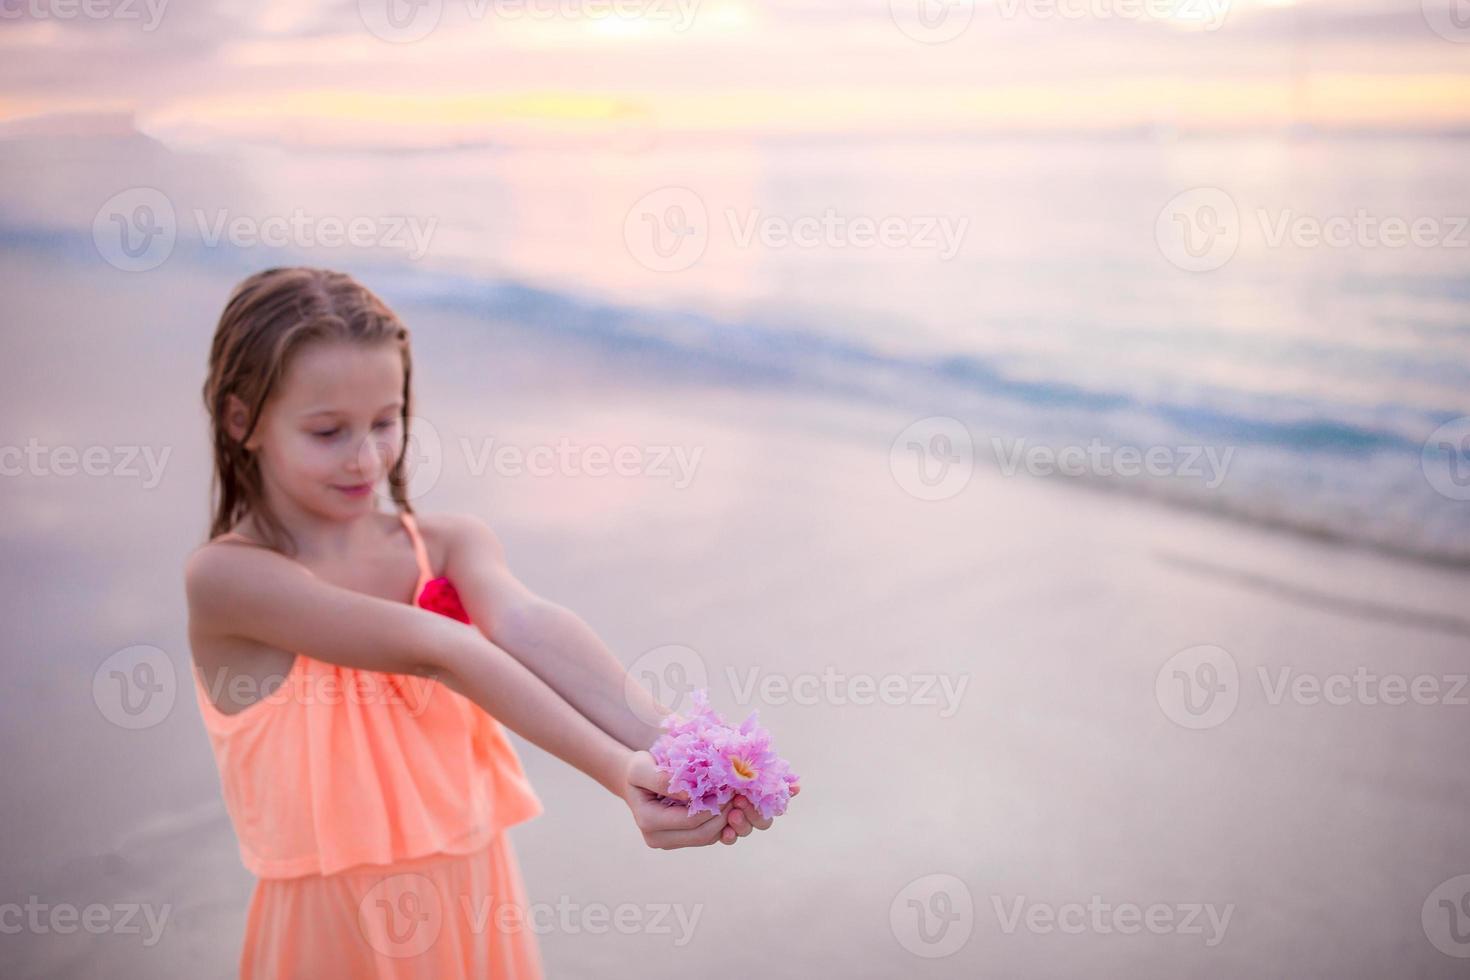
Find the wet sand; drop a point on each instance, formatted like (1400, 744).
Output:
(1029, 782)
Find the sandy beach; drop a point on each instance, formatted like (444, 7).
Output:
(1004, 770)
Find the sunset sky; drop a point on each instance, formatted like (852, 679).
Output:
(346, 74)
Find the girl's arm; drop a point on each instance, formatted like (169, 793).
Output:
(559, 647)
(552, 641)
(261, 596)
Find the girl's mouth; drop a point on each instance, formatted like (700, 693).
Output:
(356, 490)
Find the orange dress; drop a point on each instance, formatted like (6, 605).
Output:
(372, 808)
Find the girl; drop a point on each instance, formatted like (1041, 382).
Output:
(357, 734)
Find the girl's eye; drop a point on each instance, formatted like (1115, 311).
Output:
(329, 433)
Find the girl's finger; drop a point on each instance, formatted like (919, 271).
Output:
(706, 833)
(657, 816)
(740, 822)
(646, 775)
(754, 815)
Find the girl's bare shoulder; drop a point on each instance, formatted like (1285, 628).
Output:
(448, 534)
(218, 568)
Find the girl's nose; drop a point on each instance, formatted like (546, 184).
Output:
(371, 459)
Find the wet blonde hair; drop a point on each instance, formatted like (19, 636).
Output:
(269, 317)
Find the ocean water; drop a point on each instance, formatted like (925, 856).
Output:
(1234, 306)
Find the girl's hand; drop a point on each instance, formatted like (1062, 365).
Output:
(667, 827)
(744, 818)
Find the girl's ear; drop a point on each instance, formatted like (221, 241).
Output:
(237, 418)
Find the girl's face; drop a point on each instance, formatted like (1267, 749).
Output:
(331, 433)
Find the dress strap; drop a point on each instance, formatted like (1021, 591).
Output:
(426, 570)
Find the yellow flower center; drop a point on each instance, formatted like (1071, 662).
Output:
(743, 768)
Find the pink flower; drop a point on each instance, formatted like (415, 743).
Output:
(709, 760)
